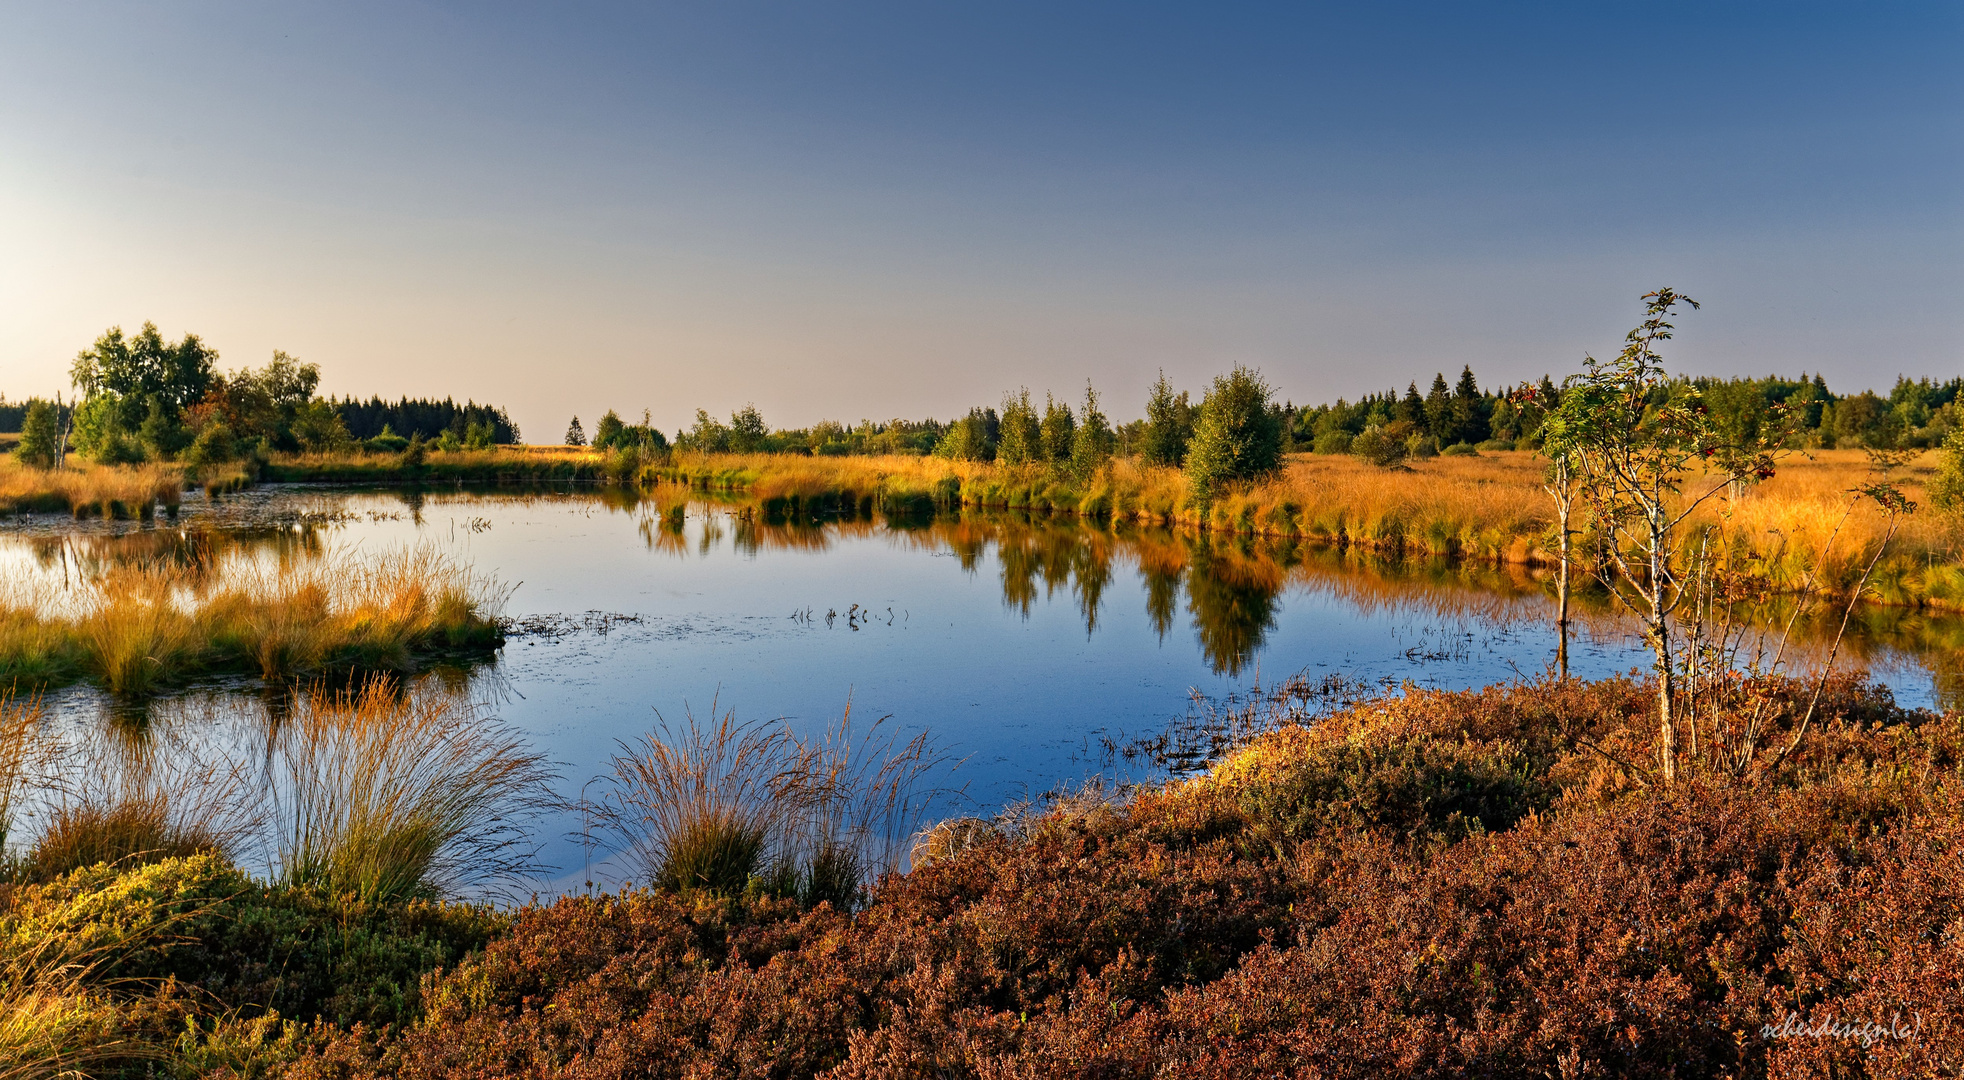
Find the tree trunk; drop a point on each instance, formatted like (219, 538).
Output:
(1561, 599)
(1660, 627)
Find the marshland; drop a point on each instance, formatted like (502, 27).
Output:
(1029, 741)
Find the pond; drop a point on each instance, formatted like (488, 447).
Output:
(1033, 649)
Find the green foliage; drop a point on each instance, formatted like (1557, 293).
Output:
(1021, 431)
(144, 365)
(1091, 446)
(1169, 425)
(1413, 788)
(1380, 447)
(97, 421)
(747, 430)
(214, 445)
(1058, 430)
(162, 434)
(972, 438)
(576, 435)
(388, 442)
(1335, 442)
(319, 429)
(40, 436)
(1237, 437)
(1946, 488)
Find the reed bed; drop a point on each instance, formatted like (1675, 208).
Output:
(110, 491)
(133, 628)
(508, 464)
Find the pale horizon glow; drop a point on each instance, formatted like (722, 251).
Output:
(880, 210)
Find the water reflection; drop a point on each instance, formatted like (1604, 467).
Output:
(1227, 591)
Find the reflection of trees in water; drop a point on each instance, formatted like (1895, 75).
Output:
(1230, 586)
(1231, 593)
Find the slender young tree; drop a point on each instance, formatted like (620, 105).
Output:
(1091, 447)
(1636, 438)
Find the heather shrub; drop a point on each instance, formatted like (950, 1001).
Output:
(1413, 788)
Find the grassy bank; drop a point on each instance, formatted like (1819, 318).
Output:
(90, 490)
(1489, 508)
(1432, 885)
(133, 628)
(500, 465)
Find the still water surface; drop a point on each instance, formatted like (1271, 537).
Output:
(1022, 644)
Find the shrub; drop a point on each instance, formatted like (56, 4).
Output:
(1379, 447)
(214, 445)
(1422, 447)
(1238, 437)
(1946, 488)
(1497, 444)
(40, 436)
(1460, 449)
(1332, 442)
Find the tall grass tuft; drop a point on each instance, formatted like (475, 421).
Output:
(389, 796)
(727, 806)
(128, 805)
(700, 805)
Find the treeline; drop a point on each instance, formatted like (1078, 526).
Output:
(1461, 416)
(1916, 414)
(144, 398)
(428, 418)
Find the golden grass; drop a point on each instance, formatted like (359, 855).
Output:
(101, 490)
(131, 628)
(1488, 508)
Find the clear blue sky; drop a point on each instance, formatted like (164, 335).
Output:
(906, 208)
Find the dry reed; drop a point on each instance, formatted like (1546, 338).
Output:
(130, 628)
(103, 490)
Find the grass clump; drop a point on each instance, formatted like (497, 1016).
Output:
(393, 796)
(729, 806)
(132, 629)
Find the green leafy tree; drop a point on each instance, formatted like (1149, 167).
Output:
(1946, 488)
(1238, 437)
(40, 436)
(1059, 429)
(1169, 425)
(1021, 439)
(972, 438)
(747, 430)
(607, 433)
(137, 367)
(1092, 446)
(162, 434)
(1636, 439)
(1380, 446)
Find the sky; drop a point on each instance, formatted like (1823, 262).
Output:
(868, 210)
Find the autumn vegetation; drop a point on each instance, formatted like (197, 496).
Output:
(1428, 884)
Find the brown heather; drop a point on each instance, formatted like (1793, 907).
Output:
(1435, 884)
